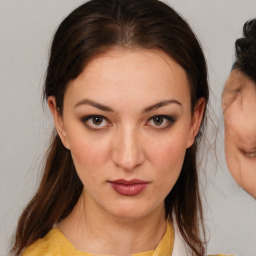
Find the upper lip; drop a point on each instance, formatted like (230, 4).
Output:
(129, 182)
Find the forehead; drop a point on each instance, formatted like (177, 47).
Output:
(129, 60)
(237, 89)
(240, 115)
(232, 89)
(131, 71)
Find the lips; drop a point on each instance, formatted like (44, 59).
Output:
(129, 187)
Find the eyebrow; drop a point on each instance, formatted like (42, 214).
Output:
(161, 104)
(108, 109)
(94, 104)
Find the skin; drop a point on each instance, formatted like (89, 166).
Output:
(239, 104)
(128, 143)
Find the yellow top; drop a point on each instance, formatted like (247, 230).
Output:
(55, 243)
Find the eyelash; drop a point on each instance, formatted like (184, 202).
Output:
(89, 119)
(250, 155)
(167, 121)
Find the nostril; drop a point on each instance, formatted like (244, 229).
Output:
(128, 160)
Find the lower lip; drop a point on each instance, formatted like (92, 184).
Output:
(128, 189)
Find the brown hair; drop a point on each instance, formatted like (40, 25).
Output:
(91, 29)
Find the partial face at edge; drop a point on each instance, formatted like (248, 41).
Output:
(128, 117)
(239, 110)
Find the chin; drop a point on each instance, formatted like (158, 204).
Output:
(130, 211)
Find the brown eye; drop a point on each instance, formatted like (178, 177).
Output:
(158, 120)
(96, 122)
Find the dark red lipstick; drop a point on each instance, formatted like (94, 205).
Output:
(128, 187)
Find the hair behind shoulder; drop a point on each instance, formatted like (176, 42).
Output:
(92, 29)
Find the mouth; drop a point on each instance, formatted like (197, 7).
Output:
(128, 187)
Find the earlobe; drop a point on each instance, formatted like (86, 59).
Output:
(196, 121)
(58, 121)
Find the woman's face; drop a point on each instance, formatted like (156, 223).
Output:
(127, 122)
(239, 108)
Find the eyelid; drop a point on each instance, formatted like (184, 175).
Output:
(86, 119)
(170, 119)
(249, 153)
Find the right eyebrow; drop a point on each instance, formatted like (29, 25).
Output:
(162, 104)
(93, 104)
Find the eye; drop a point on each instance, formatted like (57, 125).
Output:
(160, 121)
(249, 152)
(96, 122)
(250, 155)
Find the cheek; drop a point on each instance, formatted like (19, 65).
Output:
(169, 153)
(167, 156)
(169, 147)
(241, 168)
(238, 137)
(233, 163)
(168, 163)
(89, 152)
(246, 174)
(243, 171)
(231, 154)
(86, 153)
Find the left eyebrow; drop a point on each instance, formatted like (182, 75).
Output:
(161, 104)
(94, 104)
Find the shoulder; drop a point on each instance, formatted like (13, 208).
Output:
(54, 243)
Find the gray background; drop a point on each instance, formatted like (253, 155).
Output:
(26, 29)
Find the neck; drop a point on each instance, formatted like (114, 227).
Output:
(91, 229)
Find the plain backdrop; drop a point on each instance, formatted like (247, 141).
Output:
(26, 30)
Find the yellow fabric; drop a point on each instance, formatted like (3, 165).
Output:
(220, 255)
(55, 243)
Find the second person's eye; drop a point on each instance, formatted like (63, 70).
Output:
(250, 154)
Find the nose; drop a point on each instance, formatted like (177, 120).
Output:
(127, 149)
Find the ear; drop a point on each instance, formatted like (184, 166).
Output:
(58, 121)
(196, 120)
